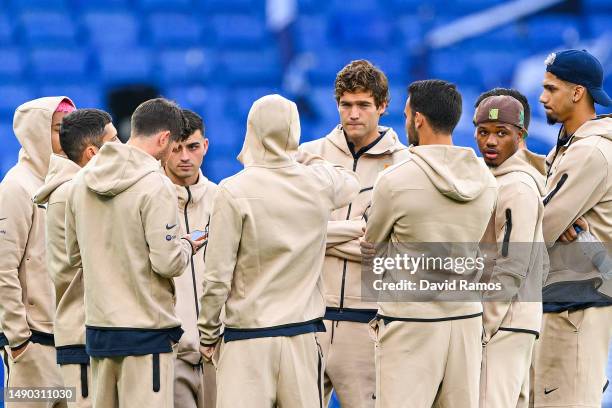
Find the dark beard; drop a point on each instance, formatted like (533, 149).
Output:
(413, 134)
(551, 120)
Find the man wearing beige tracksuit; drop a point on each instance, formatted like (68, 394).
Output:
(82, 134)
(26, 292)
(428, 352)
(363, 146)
(264, 263)
(122, 226)
(194, 385)
(513, 316)
(571, 356)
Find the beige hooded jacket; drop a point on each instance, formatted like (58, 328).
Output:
(195, 207)
(441, 194)
(520, 259)
(67, 280)
(579, 184)
(267, 232)
(122, 223)
(26, 292)
(342, 267)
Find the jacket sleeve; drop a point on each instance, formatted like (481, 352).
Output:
(381, 219)
(16, 210)
(73, 250)
(516, 220)
(349, 250)
(168, 253)
(578, 184)
(339, 232)
(225, 233)
(341, 184)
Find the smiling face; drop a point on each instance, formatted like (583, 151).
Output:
(185, 159)
(497, 141)
(359, 117)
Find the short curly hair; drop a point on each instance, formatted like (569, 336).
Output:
(362, 76)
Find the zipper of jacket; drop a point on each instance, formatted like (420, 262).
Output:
(345, 262)
(193, 276)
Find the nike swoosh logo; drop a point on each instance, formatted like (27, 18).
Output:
(170, 226)
(2, 219)
(547, 391)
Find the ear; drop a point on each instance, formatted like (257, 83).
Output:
(382, 108)
(579, 93)
(90, 151)
(419, 120)
(205, 145)
(163, 138)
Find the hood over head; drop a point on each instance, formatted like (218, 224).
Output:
(521, 162)
(455, 171)
(273, 132)
(117, 167)
(32, 127)
(61, 170)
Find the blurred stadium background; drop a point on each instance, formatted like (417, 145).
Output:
(217, 56)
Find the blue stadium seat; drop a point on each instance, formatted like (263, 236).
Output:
(13, 64)
(238, 31)
(242, 99)
(232, 6)
(595, 6)
(132, 65)
(174, 29)
(315, 7)
(186, 65)
(6, 30)
(495, 68)
(9, 152)
(101, 5)
(84, 96)
(398, 95)
(57, 64)
(404, 6)
(164, 5)
(362, 6)
(190, 97)
(411, 32)
(19, 5)
(323, 101)
(464, 7)
(451, 65)
(550, 31)
(327, 65)
(365, 30)
(48, 29)
(251, 67)
(112, 29)
(600, 24)
(14, 95)
(217, 169)
(311, 33)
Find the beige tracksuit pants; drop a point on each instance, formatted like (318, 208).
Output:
(428, 364)
(131, 381)
(504, 378)
(268, 372)
(35, 367)
(194, 386)
(570, 358)
(348, 352)
(74, 376)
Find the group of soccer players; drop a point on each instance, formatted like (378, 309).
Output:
(131, 279)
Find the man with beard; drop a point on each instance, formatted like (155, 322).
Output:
(428, 352)
(570, 357)
(514, 241)
(360, 144)
(122, 226)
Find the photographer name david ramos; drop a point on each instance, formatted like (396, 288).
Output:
(425, 285)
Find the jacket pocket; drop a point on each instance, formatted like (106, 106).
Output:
(555, 190)
(24, 353)
(574, 318)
